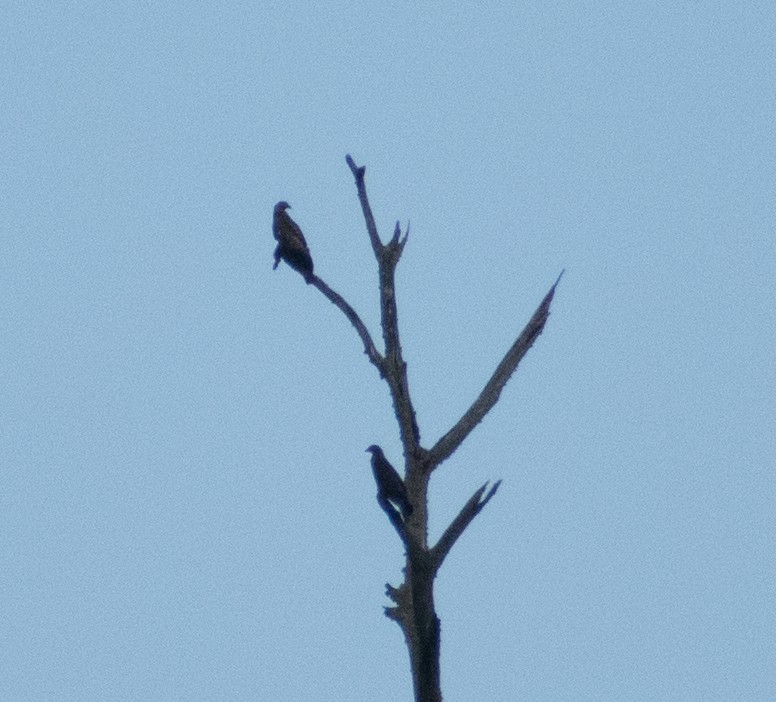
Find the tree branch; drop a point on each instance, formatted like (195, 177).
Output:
(394, 367)
(397, 375)
(470, 510)
(371, 227)
(370, 350)
(445, 447)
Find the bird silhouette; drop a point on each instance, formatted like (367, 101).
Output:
(390, 486)
(292, 247)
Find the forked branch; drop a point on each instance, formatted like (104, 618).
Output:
(469, 511)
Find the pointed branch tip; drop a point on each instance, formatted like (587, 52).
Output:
(358, 171)
(392, 613)
(406, 236)
(391, 592)
(491, 492)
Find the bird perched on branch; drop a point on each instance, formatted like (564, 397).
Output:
(292, 247)
(390, 486)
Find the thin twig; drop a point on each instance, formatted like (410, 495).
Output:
(370, 350)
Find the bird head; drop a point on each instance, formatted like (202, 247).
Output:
(282, 205)
(375, 449)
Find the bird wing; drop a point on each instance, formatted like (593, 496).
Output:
(290, 232)
(391, 480)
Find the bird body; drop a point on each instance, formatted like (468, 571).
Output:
(390, 486)
(292, 247)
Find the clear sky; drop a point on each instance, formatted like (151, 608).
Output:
(187, 511)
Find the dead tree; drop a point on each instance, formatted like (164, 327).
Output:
(413, 609)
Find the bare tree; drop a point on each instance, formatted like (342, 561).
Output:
(413, 609)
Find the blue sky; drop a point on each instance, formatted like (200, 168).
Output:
(187, 511)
